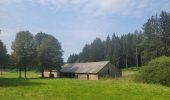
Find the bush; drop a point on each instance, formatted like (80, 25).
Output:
(157, 71)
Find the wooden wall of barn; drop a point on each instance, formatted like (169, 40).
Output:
(93, 76)
(87, 76)
(110, 71)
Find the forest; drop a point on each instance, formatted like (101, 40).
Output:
(128, 50)
(132, 49)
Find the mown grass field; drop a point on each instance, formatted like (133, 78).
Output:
(12, 88)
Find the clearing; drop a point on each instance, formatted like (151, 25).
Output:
(12, 88)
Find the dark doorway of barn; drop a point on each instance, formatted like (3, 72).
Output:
(87, 76)
(67, 75)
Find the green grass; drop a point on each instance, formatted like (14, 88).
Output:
(12, 88)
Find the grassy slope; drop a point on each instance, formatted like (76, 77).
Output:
(124, 88)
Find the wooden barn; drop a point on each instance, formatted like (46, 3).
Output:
(90, 70)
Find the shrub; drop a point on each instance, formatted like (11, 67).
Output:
(157, 71)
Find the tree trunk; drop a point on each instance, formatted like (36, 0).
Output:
(141, 60)
(1, 70)
(137, 57)
(42, 72)
(25, 72)
(19, 72)
(126, 62)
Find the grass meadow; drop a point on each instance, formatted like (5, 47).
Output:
(34, 88)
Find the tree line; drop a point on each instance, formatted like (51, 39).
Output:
(132, 49)
(42, 50)
(4, 57)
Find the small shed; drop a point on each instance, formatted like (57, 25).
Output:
(54, 73)
(90, 70)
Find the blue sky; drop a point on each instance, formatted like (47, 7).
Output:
(75, 22)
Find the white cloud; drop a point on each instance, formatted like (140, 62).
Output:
(7, 2)
(112, 5)
(97, 7)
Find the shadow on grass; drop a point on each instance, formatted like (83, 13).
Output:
(13, 82)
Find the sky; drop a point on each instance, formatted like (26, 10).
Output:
(75, 22)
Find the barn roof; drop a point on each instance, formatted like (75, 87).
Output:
(89, 67)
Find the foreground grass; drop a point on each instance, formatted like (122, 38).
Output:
(123, 88)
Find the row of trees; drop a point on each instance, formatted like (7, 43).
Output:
(41, 50)
(133, 49)
(4, 57)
